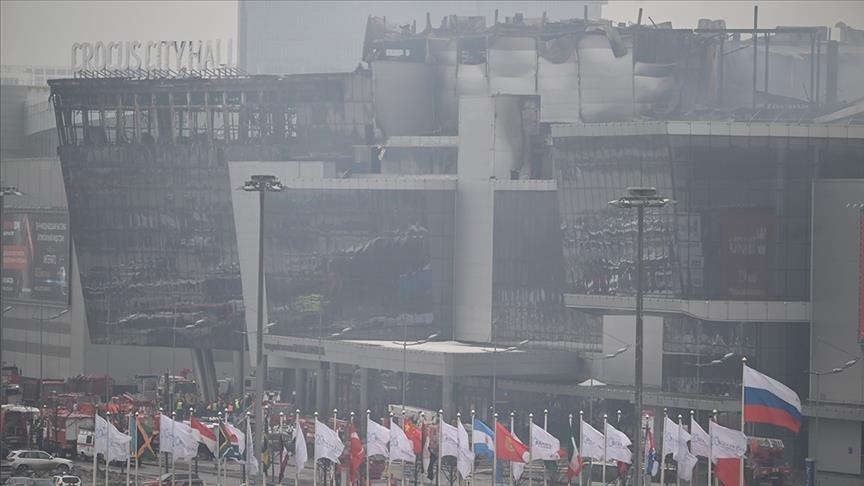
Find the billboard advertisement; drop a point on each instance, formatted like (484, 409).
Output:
(746, 253)
(36, 251)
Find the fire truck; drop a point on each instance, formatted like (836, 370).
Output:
(765, 462)
(62, 431)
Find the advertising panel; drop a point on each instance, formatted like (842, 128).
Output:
(36, 251)
(746, 254)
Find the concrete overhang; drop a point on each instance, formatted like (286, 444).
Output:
(713, 128)
(437, 358)
(708, 310)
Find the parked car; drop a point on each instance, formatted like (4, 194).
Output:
(28, 482)
(180, 479)
(31, 460)
(66, 480)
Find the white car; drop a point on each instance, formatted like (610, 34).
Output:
(67, 480)
(33, 460)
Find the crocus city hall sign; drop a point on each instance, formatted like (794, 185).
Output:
(174, 55)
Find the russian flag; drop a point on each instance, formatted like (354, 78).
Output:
(767, 401)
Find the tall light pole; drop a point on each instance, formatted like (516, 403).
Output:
(405, 345)
(5, 191)
(260, 184)
(817, 375)
(41, 341)
(639, 198)
(495, 352)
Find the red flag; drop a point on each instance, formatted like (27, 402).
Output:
(507, 447)
(357, 454)
(728, 471)
(415, 435)
(208, 437)
(285, 456)
(575, 466)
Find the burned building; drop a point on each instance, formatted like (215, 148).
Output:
(457, 184)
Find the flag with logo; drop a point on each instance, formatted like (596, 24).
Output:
(328, 445)
(544, 446)
(377, 438)
(726, 443)
(617, 445)
(401, 447)
(177, 438)
(674, 436)
(449, 440)
(592, 441)
(700, 443)
(109, 441)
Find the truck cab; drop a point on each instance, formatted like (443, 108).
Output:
(766, 462)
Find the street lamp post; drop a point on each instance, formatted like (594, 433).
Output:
(495, 352)
(405, 345)
(41, 342)
(817, 375)
(260, 184)
(639, 198)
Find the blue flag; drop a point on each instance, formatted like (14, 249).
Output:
(484, 439)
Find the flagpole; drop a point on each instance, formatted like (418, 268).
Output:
(390, 459)
(495, 448)
(741, 466)
(711, 448)
(472, 444)
(128, 464)
(158, 454)
(663, 451)
(512, 428)
(545, 425)
(440, 444)
(403, 460)
(570, 430)
(368, 480)
(692, 418)
(336, 429)
(137, 417)
(530, 443)
(605, 443)
(173, 461)
(95, 464)
(107, 443)
(315, 459)
(350, 440)
(582, 448)
(218, 447)
(678, 462)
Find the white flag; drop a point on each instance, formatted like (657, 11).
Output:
(401, 448)
(616, 445)
(377, 438)
(700, 443)
(686, 463)
(592, 441)
(105, 432)
(328, 445)
(178, 438)
(301, 455)
(449, 440)
(251, 460)
(466, 454)
(726, 443)
(674, 438)
(516, 467)
(544, 446)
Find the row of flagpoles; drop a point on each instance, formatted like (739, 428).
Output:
(724, 447)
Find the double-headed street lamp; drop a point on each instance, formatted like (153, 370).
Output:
(639, 198)
(495, 352)
(817, 374)
(405, 345)
(260, 184)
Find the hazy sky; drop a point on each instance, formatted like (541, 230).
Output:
(42, 32)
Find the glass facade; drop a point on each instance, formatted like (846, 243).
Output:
(740, 228)
(377, 261)
(528, 276)
(154, 234)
